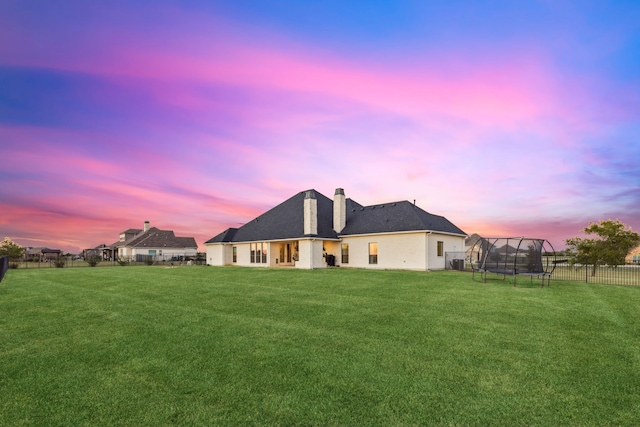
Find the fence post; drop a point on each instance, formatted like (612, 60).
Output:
(586, 273)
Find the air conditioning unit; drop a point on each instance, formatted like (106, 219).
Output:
(458, 264)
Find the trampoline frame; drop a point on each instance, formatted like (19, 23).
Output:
(513, 256)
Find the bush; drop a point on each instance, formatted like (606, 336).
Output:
(60, 262)
(123, 261)
(149, 260)
(13, 265)
(93, 260)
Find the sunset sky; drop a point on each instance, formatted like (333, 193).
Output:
(510, 118)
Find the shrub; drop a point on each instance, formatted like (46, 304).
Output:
(93, 260)
(13, 265)
(123, 261)
(60, 262)
(149, 260)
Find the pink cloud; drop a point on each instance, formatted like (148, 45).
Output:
(469, 137)
(485, 92)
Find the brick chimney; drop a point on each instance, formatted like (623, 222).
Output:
(310, 213)
(339, 210)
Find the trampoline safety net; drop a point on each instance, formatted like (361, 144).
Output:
(513, 256)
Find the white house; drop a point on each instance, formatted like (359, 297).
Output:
(309, 230)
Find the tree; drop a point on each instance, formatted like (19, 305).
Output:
(610, 247)
(12, 249)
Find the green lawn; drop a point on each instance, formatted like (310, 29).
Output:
(158, 346)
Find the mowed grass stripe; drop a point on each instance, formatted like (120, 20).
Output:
(229, 346)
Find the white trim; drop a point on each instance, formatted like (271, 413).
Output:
(403, 232)
(289, 239)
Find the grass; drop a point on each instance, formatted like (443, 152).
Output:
(160, 346)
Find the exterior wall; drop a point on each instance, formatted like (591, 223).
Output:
(219, 254)
(164, 253)
(310, 251)
(124, 252)
(332, 248)
(450, 244)
(403, 251)
(395, 251)
(216, 254)
(243, 255)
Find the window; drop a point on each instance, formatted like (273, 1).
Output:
(440, 248)
(373, 253)
(258, 253)
(345, 253)
(235, 253)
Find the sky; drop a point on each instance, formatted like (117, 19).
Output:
(509, 118)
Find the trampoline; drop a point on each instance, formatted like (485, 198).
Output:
(513, 256)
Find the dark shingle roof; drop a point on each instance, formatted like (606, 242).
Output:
(225, 236)
(395, 217)
(286, 221)
(155, 238)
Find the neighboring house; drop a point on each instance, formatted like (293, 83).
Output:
(633, 257)
(309, 230)
(41, 254)
(101, 251)
(162, 245)
(469, 245)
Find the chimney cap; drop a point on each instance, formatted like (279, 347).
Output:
(339, 191)
(309, 194)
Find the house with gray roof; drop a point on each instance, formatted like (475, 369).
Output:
(162, 245)
(310, 230)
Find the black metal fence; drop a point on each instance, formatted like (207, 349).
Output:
(628, 275)
(619, 275)
(74, 261)
(4, 266)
